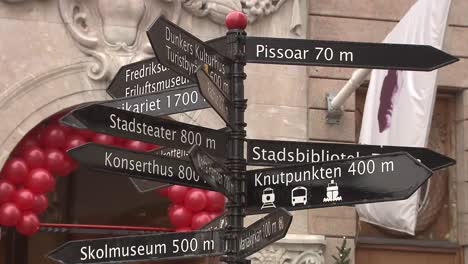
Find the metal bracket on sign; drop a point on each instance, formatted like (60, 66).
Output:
(333, 115)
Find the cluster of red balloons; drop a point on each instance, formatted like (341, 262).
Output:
(192, 208)
(29, 173)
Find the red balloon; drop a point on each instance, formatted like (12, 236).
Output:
(195, 200)
(9, 214)
(40, 204)
(216, 201)
(136, 145)
(213, 215)
(151, 146)
(27, 142)
(176, 193)
(180, 217)
(55, 118)
(163, 191)
(86, 133)
(67, 167)
(74, 141)
(34, 157)
(24, 199)
(183, 229)
(7, 189)
(103, 139)
(40, 181)
(200, 219)
(55, 159)
(53, 136)
(15, 170)
(172, 207)
(37, 131)
(28, 224)
(120, 142)
(67, 129)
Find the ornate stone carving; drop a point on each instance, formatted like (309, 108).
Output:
(217, 10)
(107, 30)
(293, 249)
(113, 31)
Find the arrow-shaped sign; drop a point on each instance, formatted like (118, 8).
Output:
(346, 54)
(222, 45)
(386, 177)
(140, 248)
(212, 172)
(275, 152)
(219, 223)
(142, 165)
(173, 101)
(264, 232)
(144, 77)
(172, 152)
(184, 53)
(116, 122)
(215, 97)
(145, 185)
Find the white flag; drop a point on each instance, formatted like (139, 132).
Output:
(399, 104)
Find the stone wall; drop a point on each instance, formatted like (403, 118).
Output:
(371, 21)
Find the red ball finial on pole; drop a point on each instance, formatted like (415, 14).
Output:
(236, 20)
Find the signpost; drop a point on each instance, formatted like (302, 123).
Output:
(145, 185)
(264, 232)
(144, 77)
(318, 175)
(172, 152)
(142, 165)
(116, 122)
(220, 222)
(184, 53)
(141, 248)
(215, 97)
(382, 178)
(346, 54)
(177, 100)
(274, 153)
(212, 172)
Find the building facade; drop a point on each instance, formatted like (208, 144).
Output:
(55, 54)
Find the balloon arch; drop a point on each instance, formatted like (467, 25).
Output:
(29, 174)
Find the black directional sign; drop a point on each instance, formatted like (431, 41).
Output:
(221, 45)
(215, 97)
(142, 165)
(172, 152)
(212, 172)
(116, 122)
(346, 54)
(140, 248)
(386, 177)
(145, 185)
(173, 101)
(220, 222)
(184, 53)
(144, 77)
(264, 232)
(274, 152)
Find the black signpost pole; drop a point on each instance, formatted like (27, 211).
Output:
(236, 36)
